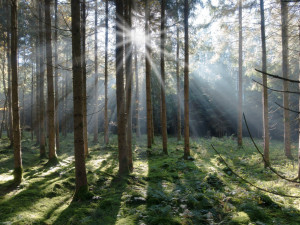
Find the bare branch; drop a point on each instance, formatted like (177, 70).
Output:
(278, 77)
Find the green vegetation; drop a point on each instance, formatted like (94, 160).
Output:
(161, 190)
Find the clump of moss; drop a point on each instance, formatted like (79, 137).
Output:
(240, 218)
(82, 194)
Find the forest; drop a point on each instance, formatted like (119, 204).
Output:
(150, 112)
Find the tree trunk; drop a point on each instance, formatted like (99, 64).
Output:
(56, 79)
(148, 75)
(240, 97)
(285, 73)
(15, 101)
(50, 86)
(178, 87)
(265, 90)
(186, 82)
(299, 117)
(162, 66)
(128, 66)
(120, 93)
(31, 102)
(37, 92)
(106, 138)
(83, 34)
(96, 76)
(80, 170)
(137, 100)
(42, 69)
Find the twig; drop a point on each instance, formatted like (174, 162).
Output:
(287, 108)
(277, 77)
(291, 92)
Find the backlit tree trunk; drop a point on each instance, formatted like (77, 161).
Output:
(137, 100)
(186, 82)
(50, 85)
(285, 74)
(162, 66)
(106, 138)
(15, 101)
(120, 93)
(80, 170)
(178, 87)
(265, 90)
(148, 75)
(240, 95)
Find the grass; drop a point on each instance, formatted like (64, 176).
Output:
(161, 190)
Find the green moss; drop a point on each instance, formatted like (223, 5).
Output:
(52, 162)
(82, 194)
(240, 218)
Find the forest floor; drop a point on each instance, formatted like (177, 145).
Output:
(161, 190)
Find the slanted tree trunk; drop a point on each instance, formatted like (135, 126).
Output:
(128, 67)
(56, 78)
(41, 74)
(95, 121)
(83, 34)
(148, 75)
(80, 170)
(240, 95)
(50, 86)
(15, 102)
(120, 93)
(137, 100)
(106, 138)
(265, 90)
(285, 73)
(178, 87)
(186, 82)
(162, 66)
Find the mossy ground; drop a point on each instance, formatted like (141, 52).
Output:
(161, 190)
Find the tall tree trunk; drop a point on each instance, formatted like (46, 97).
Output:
(265, 90)
(80, 170)
(137, 100)
(83, 34)
(120, 93)
(56, 78)
(299, 117)
(42, 69)
(285, 73)
(96, 75)
(31, 101)
(37, 92)
(178, 87)
(148, 75)
(240, 96)
(162, 66)
(128, 66)
(15, 101)
(106, 138)
(50, 86)
(186, 82)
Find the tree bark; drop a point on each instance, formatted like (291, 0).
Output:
(15, 101)
(240, 94)
(96, 76)
(137, 100)
(186, 82)
(50, 86)
(120, 93)
(56, 78)
(80, 170)
(162, 66)
(285, 73)
(148, 75)
(41, 74)
(178, 87)
(106, 137)
(128, 67)
(83, 34)
(265, 90)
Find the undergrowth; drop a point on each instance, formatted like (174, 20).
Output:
(161, 190)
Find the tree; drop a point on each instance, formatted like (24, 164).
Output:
(106, 138)
(120, 93)
(240, 94)
(148, 75)
(128, 67)
(96, 75)
(50, 86)
(41, 85)
(137, 100)
(162, 66)
(265, 90)
(15, 102)
(178, 85)
(80, 170)
(285, 73)
(186, 82)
